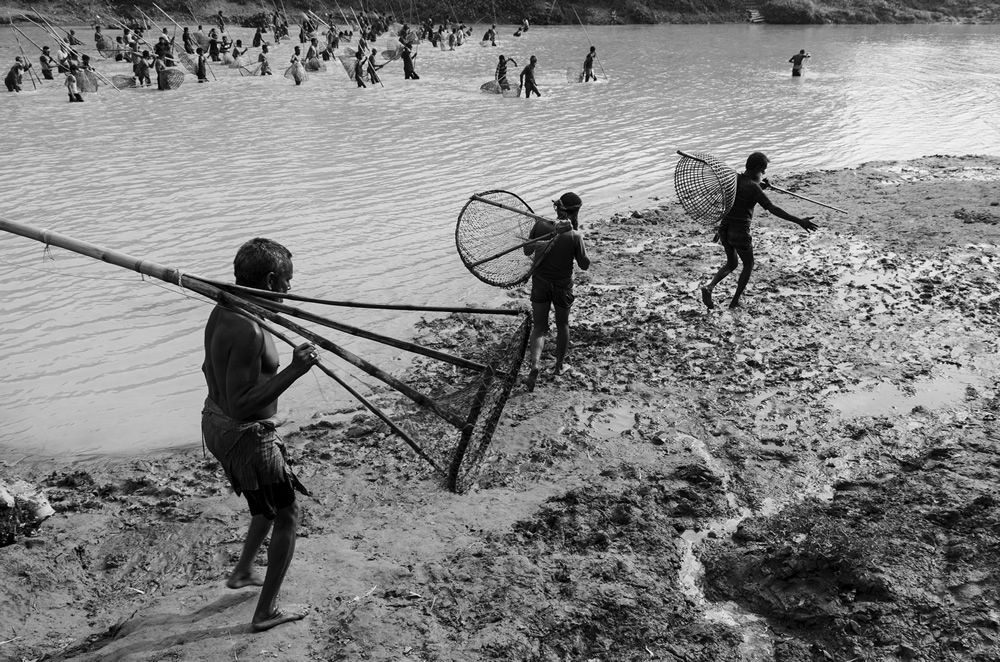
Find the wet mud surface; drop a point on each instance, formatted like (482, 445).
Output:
(810, 477)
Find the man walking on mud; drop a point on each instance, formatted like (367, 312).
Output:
(241, 369)
(552, 280)
(734, 231)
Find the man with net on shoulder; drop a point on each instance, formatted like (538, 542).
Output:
(552, 280)
(734, 230)
(244, 382)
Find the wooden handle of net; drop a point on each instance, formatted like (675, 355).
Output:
(544, 237)
(802, 197)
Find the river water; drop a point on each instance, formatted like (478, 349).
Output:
(364, 186)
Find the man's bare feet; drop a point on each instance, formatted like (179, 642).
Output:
(239, 581)
(529, 383)
(285, 615)
(735, 304)
(706, 298)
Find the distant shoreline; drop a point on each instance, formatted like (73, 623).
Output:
(781, 12)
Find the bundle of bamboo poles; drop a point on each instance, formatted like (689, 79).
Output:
(261, 306)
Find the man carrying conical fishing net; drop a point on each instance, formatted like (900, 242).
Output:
(552, 280)
(734, 230)
(241, 369)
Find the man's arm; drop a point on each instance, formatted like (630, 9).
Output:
(246, 394)
(805, 222)
(582, 259)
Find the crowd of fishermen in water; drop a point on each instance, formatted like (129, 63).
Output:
(197, 49)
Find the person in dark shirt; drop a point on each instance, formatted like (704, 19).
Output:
(798, 62)
(734, 231)
(588, 66)
(552, 280)
(408, 57)
(528, 79)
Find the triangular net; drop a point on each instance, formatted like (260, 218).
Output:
(86, 81)
(187, 62)
(484, 230)
(706, 187)
(478, 400)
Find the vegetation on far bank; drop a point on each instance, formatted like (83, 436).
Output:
(547, 12)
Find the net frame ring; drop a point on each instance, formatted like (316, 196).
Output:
(705, 208)
(469, 259)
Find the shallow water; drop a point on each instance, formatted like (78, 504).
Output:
(365, 186)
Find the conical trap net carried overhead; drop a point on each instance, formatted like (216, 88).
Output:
(706, 187)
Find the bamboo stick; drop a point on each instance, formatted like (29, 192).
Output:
(361, 333)
(356, 304)
(177, 277)
(358, 396)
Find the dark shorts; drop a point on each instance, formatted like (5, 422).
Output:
(736, 237)
(559, 293)
(269, 499)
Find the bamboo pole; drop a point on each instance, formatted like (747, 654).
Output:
(27, 64)
(198, 285)
(207, 65)
(277, 306)
(357, 304)
(357, 395)
(591, 43)
(55, 36)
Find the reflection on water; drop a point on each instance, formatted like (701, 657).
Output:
(364, 186)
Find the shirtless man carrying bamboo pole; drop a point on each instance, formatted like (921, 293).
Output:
(241, 369)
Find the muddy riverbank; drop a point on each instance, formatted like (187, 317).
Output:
(813, 477)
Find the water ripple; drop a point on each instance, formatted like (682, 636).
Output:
(364, 186)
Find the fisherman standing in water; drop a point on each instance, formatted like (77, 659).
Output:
(201, 67)
(734, 231)
(588, 65)
(501, 73)
(408, 57)
(798, 62)
(528, 79)
(359, 68)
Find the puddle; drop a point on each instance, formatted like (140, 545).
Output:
(884, 398)
(607, 423)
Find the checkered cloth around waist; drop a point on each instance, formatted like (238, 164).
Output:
(250, 452)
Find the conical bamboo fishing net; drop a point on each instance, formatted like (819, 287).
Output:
(706, 187)
(492, 228)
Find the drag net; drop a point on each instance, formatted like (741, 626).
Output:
(574, 75)
(174, 78)
(297, 73)
(706, 187)
(478, 400)
(314, 64)
(348, 67)
(106, 47)
(512, 92)
(122, 82)
(484, 230)
(491, 86)
(188, 62)
(86, 81)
